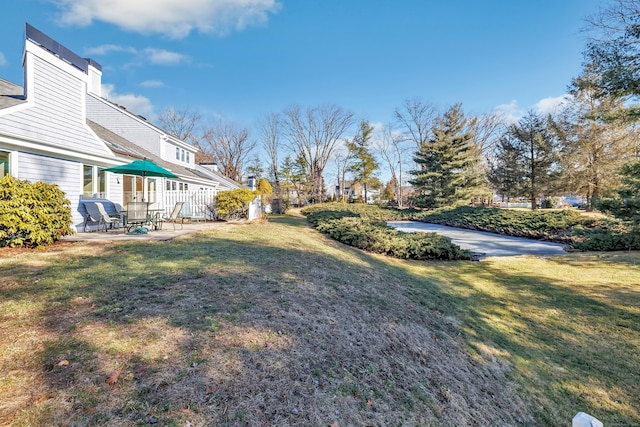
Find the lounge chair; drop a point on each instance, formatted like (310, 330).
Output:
(174, 216)
(187, 214)
(97, 213)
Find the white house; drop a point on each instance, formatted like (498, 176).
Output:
(58, 129)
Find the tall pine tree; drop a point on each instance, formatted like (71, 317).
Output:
(507, 172)
(449, 170)
(365, 164)
(595, 141)
(537, 143)
(626, 205)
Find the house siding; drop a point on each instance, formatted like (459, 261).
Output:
(56, 114)
(66, 174)
(114, 188)
(110, 117)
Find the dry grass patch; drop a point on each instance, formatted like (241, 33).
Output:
(274, 324)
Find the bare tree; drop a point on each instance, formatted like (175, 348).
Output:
(488, 129)
(313, 134)
(392, 149)
(182, 123)
(269, 128)
(343, 159)
(416, 118)
(229, 145)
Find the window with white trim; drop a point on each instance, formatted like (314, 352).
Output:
(102, 183)
(4, 164)
(87, 181)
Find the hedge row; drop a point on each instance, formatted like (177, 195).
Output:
(327, 211)
(364, 227)
(541, 225)
(376, 236)
(570, 227)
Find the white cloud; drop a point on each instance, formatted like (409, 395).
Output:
(551, 105)
(163, 57)
(511, 111)
(136, 104)
(105, 49)
(174, 18)
(3, 60)
(149, 54)
(152, 83)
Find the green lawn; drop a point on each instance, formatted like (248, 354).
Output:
(276, 324)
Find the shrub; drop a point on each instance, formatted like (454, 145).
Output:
(563, 226)
(234, 204)
(32, 215)
(376, 236)
(609, 241)
(279, 206)
(323, 211)
(551, 202)
(543, 225)
(264, 187)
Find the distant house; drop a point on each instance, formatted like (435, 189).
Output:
(58, 129)
(354, 190)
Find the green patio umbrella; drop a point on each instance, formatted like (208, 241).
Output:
(142, 168)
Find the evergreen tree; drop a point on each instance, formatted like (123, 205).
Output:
(613, 52)
(293, 175)
(537, 144)
(255, 169)
(449, 168)
(626, 205)
(507, 172)
(595, 142)
(387, 193)
(365, 164)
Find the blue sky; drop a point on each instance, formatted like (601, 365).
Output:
(240, 59)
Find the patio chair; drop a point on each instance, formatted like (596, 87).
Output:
(97, 213)
(187, 214)
(174, 216)
(137, 214)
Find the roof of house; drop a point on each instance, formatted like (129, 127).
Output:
(10, 94)
(125, 148)
(218, 176)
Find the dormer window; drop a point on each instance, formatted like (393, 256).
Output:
(182, 155)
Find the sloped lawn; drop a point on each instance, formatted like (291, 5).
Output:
(276, 324)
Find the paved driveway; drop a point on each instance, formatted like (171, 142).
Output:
(487, 244)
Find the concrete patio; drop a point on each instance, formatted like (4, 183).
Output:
(166, 233)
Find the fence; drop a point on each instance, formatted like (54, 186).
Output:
(198, 199)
